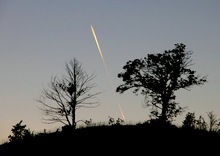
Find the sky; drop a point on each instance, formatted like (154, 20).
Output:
(38, 37)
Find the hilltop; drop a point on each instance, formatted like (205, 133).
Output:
(139, 138)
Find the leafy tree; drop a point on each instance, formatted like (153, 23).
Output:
(158, 76)
(67, 94)
(190, 121)
(19, 132)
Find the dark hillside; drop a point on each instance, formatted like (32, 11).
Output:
(131, 139)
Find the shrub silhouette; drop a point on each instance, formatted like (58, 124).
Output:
(19, 132)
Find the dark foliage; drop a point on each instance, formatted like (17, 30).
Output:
(189, 121)
(158, 76)
(19, 132)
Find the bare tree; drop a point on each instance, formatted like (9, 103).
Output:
(67, 94)
(213, 121)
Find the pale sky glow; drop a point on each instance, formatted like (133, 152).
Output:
(38, 37)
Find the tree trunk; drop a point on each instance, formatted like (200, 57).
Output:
(74, 101)
(164, 113)
(74, 113)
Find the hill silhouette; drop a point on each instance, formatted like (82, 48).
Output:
(117, 139)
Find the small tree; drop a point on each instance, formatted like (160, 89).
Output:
(67, 94)
(19, 132)
(213, 121)
(201, 124)
(190, 121)
(158, 76)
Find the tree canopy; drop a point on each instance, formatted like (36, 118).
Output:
(158, 76)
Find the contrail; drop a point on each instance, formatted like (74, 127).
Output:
(100, 52)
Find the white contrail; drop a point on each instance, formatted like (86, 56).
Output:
(100, 52)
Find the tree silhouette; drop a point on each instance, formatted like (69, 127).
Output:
(158, 76)
(67, 94)
(201, 123)
(214, 122)
(19, 132)
(190, 121)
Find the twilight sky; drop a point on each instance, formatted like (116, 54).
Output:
(38, 37)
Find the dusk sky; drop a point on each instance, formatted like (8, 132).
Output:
(37, 37)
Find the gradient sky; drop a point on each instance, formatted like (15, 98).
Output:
(38, 37)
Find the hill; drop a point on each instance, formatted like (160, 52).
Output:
(117, 139)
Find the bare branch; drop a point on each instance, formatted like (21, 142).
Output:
(64, 96)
